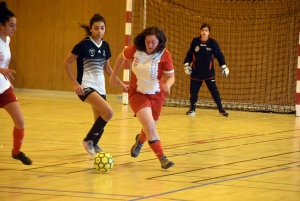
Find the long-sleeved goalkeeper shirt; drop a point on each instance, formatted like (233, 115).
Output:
(202, 55)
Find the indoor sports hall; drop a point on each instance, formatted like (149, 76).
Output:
(252, 155)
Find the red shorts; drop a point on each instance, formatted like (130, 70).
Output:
(138, 101)
(7, 97)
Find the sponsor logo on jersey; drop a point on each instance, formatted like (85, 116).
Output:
(104, 53)
(92, 52)
(197, 48)
(99, 51)
(208, 49)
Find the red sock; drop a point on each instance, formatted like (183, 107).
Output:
(143, 137)
(157, 148)
(18, 135)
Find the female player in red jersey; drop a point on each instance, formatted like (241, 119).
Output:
(8, 100)
(151, 62)
(92, 55)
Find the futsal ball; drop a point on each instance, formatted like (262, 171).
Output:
(103, 162)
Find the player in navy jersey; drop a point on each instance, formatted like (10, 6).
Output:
(8, 100)
(92, 56)
(201, 54)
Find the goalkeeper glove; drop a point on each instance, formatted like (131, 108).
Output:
(187, 69)
(225, 70)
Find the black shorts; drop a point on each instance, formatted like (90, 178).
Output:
(87, 92)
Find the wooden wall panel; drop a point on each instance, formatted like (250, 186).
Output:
(48, 30)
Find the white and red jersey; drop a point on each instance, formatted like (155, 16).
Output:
(5, 56)
(147, 70)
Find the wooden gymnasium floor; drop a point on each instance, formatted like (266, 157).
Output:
(248, 156)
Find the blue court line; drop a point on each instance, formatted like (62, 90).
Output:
(215, 182)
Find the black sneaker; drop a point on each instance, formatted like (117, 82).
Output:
(165, 163)
(136, 148)
(191, 112)
(224, 113)
(24, 159)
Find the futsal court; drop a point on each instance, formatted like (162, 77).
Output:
(248, 156)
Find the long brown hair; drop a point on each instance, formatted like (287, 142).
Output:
(139, 40)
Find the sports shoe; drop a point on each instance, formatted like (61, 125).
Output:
(97, 149)
(191, 112)
(88, 147)
(165, 163)
(224, 113)
(136, 148)
(21, 156)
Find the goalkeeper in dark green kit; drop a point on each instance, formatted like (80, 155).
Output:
(199, 64)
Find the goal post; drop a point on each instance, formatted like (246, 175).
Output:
(259, 39)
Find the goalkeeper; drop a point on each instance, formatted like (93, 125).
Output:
(199, 64)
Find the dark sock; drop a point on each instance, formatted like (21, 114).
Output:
(98, 137)
(96, 129)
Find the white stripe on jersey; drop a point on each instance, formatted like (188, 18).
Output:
(93, 75)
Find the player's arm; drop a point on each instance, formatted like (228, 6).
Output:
(188, 59)
(7, 73)
(109, 71)
(168, 70)
(218, 54)
(114, 75)
(221, 59)
(68, 67)
(189, 54)
(170, 79)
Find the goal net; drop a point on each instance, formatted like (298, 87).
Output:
(259, 39)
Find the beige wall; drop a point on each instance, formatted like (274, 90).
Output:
(48, 30)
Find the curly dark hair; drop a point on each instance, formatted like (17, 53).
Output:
(139, 40)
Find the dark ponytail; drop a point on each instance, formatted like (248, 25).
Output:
(5, 14)
(96, 18)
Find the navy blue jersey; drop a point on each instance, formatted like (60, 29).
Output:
(202, 55)
(90, 63)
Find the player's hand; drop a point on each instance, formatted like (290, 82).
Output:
(123, 86)
(187, 69)
(78, 89)
(7, 73)
(166, 88)
(225, 70)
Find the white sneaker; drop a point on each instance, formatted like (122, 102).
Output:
(88, 147)
(98, 149)
(191, 112)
